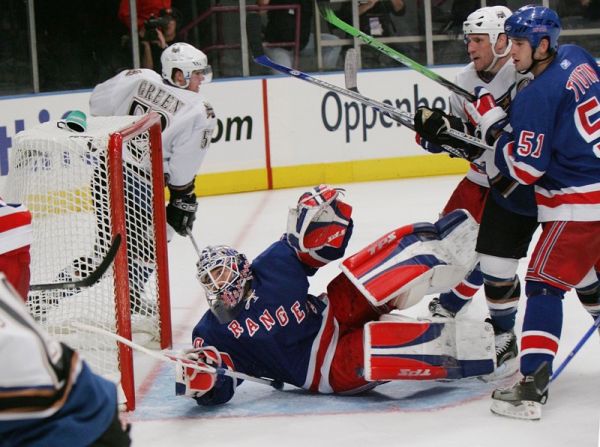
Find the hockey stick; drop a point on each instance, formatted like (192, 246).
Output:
(90, 279)
(350, 79)
(350, 69)
(173, 357)
(189, 233)
(576, 349)
(398, 115)
(541, 373)
(403, 118)
(328, 14)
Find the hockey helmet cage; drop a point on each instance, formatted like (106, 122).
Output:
(223, 273)
(186, 58)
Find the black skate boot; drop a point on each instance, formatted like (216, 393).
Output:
(42, 301)
(506, 344)
(438, 311)
(525, 399)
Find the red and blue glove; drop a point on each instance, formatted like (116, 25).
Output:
(196, 373)
(428, 145)
(486, 115)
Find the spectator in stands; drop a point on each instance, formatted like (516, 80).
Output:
(281, 27)
(374, 16)
(375, 19)
(157, 26)
(589, 9)
(145, 10)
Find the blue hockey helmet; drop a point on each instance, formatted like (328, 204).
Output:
(225, 276)
(534, 23)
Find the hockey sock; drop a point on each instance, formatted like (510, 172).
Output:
(590, 298)
(461, 295)
(502, 297)
(542, 326)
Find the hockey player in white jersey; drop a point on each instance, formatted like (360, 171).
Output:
(48, 395)
(506, 224)
(188, 120)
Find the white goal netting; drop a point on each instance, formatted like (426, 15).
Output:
(83, 189)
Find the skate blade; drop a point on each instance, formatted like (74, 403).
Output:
(528, 410)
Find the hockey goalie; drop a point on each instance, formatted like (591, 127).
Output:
(263, 322)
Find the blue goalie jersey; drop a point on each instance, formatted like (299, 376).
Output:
(282, 332)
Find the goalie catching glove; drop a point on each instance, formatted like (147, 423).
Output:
(196, 376)
(431, 126)
(181, 210)
(320, 226)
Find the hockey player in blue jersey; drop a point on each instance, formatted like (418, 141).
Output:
(507, 214)
(263, 322)
(48, 395)
(551, 142)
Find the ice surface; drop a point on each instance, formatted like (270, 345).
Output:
(411, 414)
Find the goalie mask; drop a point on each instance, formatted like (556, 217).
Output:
(489, 20)
(224, 274)
(186, 58)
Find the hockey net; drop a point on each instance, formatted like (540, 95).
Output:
(83, 189)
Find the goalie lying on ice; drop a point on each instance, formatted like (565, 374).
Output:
(263, 322)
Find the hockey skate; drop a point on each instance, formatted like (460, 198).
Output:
(40, 302)
(507, 352)
(523, 400)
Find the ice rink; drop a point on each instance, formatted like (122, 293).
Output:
(411, 414)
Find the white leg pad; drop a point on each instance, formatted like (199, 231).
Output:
(416, 260)
(397, 349)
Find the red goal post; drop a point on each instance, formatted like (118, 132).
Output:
(83, 190)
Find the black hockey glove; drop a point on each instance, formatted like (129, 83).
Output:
(181, 210)
(431, 125)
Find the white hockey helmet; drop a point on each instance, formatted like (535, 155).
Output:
(186, 58)
(489, 20)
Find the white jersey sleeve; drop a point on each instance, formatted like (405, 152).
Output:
(187, 119)
(187, 139)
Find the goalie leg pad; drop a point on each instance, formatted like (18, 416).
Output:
(427, 350)
(415, 260)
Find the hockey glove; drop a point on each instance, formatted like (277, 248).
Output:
(485, 115)
(196, 375)
(181, 210)
(319, 227)
(431, 125)
(428, 145)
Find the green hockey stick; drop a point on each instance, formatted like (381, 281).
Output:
(329, 16)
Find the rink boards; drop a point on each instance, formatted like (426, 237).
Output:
(280, 132)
